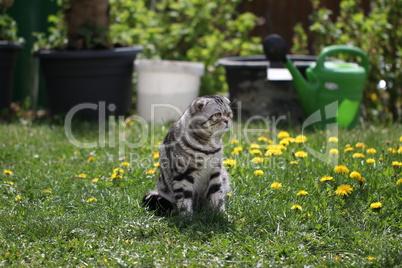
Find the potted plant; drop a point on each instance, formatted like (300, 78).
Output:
(9, 46)
(82, 68)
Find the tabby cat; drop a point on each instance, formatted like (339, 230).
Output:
(192, 175)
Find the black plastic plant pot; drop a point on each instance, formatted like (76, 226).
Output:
(91, 84)
(8, 58)
(254, 94)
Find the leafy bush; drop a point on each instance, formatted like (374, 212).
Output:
(8, 26)
(189, 30)
(379, 34)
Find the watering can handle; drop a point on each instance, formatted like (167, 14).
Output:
(331, 50)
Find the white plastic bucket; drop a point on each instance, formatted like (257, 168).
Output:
(166, 88)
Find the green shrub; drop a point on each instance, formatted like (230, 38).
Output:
(379, 34)
(8, 26)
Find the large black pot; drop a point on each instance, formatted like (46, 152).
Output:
(92, 82)
(8, 58)
(254, 95)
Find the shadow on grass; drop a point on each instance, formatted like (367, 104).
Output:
(202, 222)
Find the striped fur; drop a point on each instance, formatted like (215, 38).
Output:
(192, 175)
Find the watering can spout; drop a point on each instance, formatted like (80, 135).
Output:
(306, 89)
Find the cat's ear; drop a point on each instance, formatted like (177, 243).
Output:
(227, 101)
(199, 104)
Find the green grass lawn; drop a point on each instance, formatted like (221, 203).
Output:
(60, 206)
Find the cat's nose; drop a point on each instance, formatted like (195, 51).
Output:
(226, 120)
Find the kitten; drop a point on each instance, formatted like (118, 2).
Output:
(192, 175)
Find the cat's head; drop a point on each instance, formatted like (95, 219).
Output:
(211, 114)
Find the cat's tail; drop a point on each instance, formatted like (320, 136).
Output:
(154, 201)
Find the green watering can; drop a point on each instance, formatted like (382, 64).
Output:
(327, 82)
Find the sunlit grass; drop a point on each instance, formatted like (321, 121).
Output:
(62, 205)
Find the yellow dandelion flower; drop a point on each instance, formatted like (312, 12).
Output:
(400, 150)
(95, 180)
(118, 170)
(399, 182)
(301, 154)
(47, 191)
(380, 160)
(302, 192)
(258, 172)
(333, 151)
(371, 151)
(294, 162)
(283, 134)
(228, 195)
(391, 150)
(358, 155)
(234, 141)
(273, 152)
(262, 139)
(151, 171)
(92, 199)
(276, 185)
(361, 180)
(301, 139)
(348, 149)
(333, 139)
(104, 260)
(10, 183)
(256, 151)
(155, 155)
(117, 173)
(376, 205)
(18, 198)
(125, 164)
(82, 175)
(90, 159)
(276, 147)
(257, 160)
(355, 175)
(327, 178)
(116, 176)
(296, 207)
(254, 146)
(344, 190)
(337, 258)
(8, 172)
(400, 139)
(370, 258)
(396, 164)
(238, 148)
(157, 164)
(284, 142)
(341, 169)
(229, 162)
(360, 145)
(370, 161)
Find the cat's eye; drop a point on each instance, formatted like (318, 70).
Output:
(229, 114)
(218, 115)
